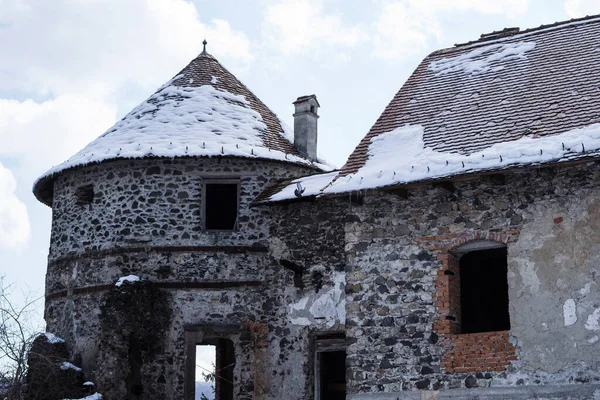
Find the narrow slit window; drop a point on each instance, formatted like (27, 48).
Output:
(484, 291)
(85, 194)
(221, 206)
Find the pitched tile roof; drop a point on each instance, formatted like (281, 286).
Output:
(471, 96)
(511, 99)
(203, 111)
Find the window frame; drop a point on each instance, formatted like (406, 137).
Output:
(221, 181)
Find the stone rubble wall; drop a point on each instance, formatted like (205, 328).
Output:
(145, 219)
(395, 252)
(302, 269)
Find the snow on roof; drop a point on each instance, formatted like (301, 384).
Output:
(203, 111)
(303, 187)
(483, 58)
(401, 156)
(540, 82)
(210, 122)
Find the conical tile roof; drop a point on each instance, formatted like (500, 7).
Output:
(203, 111)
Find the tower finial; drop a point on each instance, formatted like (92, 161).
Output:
(204, 42)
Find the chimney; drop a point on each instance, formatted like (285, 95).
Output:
(305, 126)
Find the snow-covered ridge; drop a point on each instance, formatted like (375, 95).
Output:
(184, 121)
(482, 59)
(400, 156)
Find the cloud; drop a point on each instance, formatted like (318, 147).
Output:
(581, 8)
(14, 222)
(46, 133)
(95, 46)
(406, 26)
(296, 26)
(86, 61)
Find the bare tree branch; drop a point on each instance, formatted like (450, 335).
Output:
(17, 331)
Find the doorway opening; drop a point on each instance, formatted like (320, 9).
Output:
(330, 367)
(205, 372)
(212, 363)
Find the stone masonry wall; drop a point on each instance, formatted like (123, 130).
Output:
(395, 252)
(145, 219)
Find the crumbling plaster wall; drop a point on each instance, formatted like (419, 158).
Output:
(145, 219)
(554, 269)
(392, 254)
(310, 235)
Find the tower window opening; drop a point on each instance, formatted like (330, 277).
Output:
(221, 205)
(85, 195)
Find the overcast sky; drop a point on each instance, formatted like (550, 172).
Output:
(69, 69)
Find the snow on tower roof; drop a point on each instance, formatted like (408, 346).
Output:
(203, 111)
(509, 100)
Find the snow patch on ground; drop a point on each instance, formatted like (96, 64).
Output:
(67, 365)
(52, 338)
(482, 59)
(128, 279)
(569, 312)
(328, 306)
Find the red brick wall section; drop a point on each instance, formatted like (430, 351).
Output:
(471, 352)
(447, 295)
(477, 352)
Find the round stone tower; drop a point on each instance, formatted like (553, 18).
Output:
(166, 196)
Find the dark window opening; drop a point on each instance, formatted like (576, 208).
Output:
(221, 206)
(215, 362)
(330, 368)
(484, 291)
(312, 109)
(85, 195)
